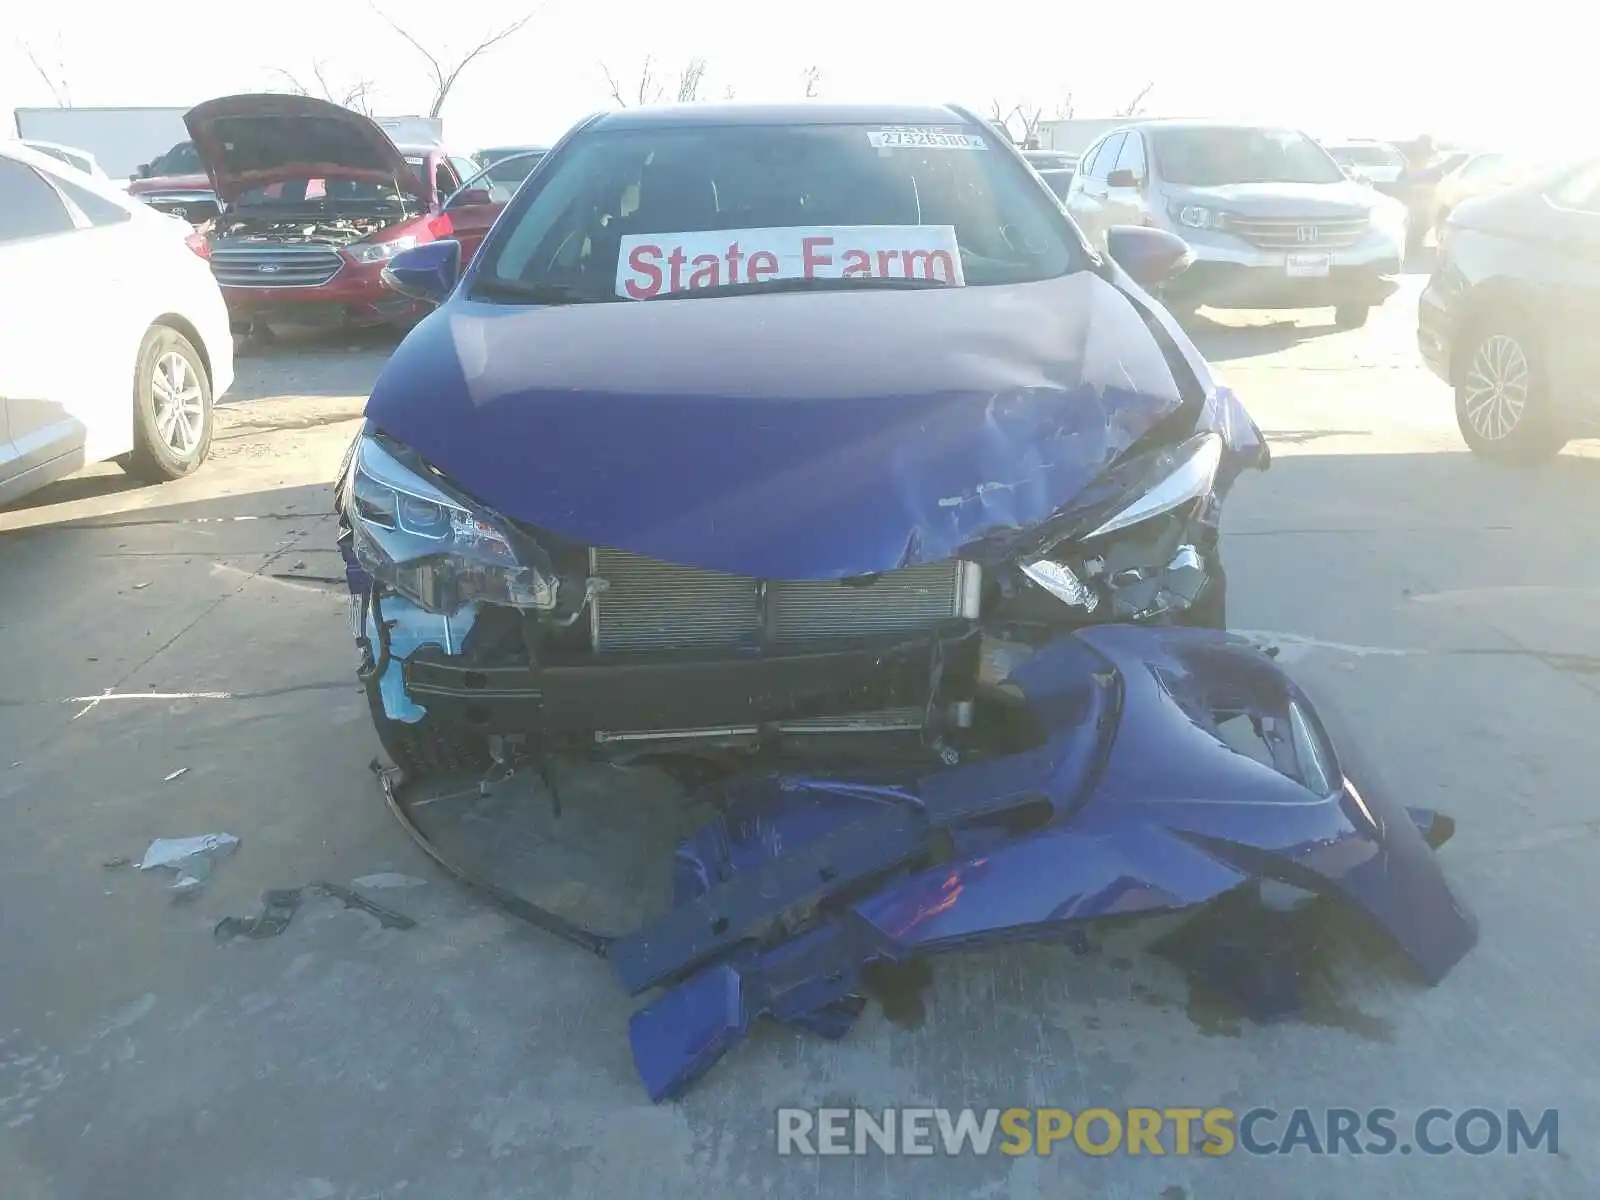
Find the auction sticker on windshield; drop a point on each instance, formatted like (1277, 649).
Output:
(919, 138)
(665, 264)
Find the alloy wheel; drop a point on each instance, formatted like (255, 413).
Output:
(179, 406)
(1495, 387)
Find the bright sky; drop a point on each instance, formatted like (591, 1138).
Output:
(1379, 68)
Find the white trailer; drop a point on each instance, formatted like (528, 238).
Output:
(121, 139)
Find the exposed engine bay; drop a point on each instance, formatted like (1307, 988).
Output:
(309, 230)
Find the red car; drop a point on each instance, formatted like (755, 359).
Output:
(314, 200)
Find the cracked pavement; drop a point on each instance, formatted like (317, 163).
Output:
(1448, 606)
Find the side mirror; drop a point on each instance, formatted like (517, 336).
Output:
(476, 195)
(1122, 179)
(428, 272)
(1151, 256)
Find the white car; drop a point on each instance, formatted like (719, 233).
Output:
(114, 339)
(71, 155)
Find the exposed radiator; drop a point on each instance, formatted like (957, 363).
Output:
(650, 605)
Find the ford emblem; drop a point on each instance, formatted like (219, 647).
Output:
(269, 268)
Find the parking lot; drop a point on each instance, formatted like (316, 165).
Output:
(193, 627)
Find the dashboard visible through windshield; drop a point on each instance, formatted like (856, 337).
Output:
(642, 213)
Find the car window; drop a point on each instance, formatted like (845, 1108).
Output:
(97, 210)
(464, 168)
(1214, 156)
(1107, 158)
(499, 180)
(947, 182)
(1131, 157)
(29, 206)
(182, 159)
(1087, 159)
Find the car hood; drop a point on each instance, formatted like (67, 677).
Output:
(256, 140)
(786, 436)
(1346, 198)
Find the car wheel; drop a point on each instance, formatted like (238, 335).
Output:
(171, 408)
(1351, 316)
(426, 747)
(1502, 406)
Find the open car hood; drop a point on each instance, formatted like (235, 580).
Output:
(255, 140)
(786, 436)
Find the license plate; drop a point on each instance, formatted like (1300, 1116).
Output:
(1309, 266)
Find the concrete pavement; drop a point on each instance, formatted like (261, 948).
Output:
(1446, 604)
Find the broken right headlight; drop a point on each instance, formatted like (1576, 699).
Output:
(415, 534)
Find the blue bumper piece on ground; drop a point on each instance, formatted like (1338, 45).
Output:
(1132, 798)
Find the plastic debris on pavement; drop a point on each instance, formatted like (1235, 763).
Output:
(175, 774)
(279, 905)
(191, 857)
(388, 879)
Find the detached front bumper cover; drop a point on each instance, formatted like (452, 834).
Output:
(1133, 802)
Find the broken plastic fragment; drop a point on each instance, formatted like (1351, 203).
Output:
(191, 857)
(388, 879)
(175, 774)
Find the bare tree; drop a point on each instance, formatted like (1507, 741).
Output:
(728, 93)
(813, 77)
(689, 80)
(647, 91)
(1020, 123)
(356, 95)
(1135, 107)
(55, 80)
(1064, 108)
(446, 71)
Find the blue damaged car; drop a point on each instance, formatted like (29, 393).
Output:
(814, 443)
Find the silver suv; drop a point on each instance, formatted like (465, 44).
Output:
(1273, 221)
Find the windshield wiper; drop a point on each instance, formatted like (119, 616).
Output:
(860, 283)
(493, 288)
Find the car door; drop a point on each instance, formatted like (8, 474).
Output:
(1125, 201)
(1091, 209)
(40, 365)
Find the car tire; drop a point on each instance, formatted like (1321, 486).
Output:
(1351, 316)
(172, 413)
(1502, 400)
(427, 747)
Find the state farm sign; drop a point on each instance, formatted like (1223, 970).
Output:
(665, 264)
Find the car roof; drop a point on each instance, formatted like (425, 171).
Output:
(42, 144)
(23, 153)
(808, 112)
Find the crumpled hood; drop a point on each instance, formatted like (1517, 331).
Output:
(1342, 199)
(255, 140)
(787, 436)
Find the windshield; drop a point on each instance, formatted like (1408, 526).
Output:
(320, 193)
(640, 213)
(1367, 156)
(182, 159)
(1216, 157)
(512, 171)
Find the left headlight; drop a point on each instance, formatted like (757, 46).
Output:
(1173, 478)
(371, 252)
(437, 548)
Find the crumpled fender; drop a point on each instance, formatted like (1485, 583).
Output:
(1149, 810)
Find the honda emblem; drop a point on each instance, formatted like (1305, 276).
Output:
(1306, 235)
